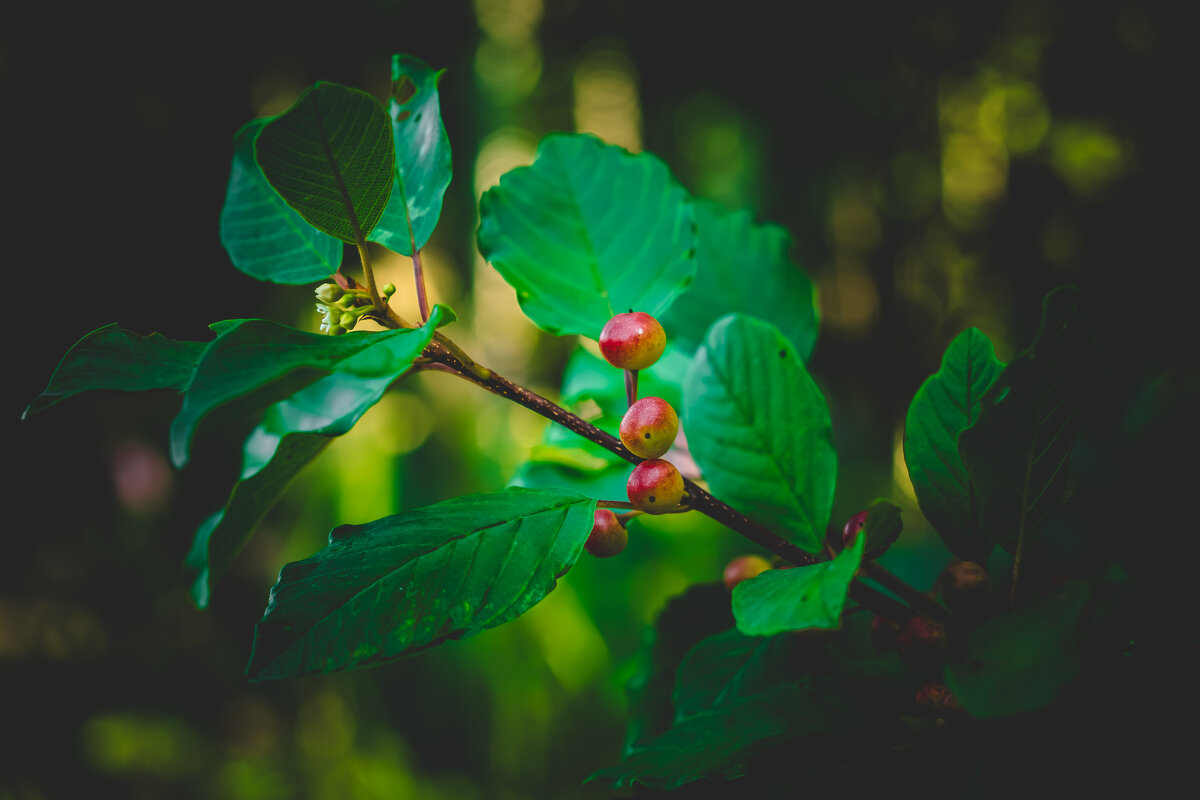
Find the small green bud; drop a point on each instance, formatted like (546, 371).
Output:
(389, 289)
(328, 292)
(346, 300)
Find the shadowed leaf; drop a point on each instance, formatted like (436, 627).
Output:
(405, 583)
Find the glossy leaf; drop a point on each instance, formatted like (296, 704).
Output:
(422, 158)
(408, 582)
(948, 403)
(264, 236)
(293, 432)
(588, 231)
(781, 600)
(883, 528)
(331, 157)
(255, 363)
(116, 359)
(743, 266)
(701, 611)
(738, 699)
(1016, 453)
(1019, 662)
(759, 428)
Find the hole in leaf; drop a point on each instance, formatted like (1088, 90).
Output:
(403, 115)
(403, 89)
(783, 353)
(417, 118)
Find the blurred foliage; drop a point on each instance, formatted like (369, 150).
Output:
(938, 165)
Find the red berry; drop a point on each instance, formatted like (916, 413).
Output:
(608, 536)
(965, 588)
(922, 642)
(743, 568)
(937, 699)
(853, 526)
(632, 341)
(655, 486)
(649, 427)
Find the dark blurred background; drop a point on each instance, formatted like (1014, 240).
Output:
(938, 164)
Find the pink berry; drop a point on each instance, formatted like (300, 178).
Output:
(608, 536)
(634, 340)
(655, 486)
(649, 427)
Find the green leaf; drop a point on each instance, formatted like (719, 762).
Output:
(1016, 452)
(1018, 662)
(116, 359)
(948, 403)
(699, 612)
(408, 582)
(602, 483)
(587, 377)
(264, 236)
(797, 598)
(738, 699)
(758, 426)
(331, 157)
(293, 432)
(743, 267)
(588, 231)
(422, 158)
(883, 527)
(255, 363)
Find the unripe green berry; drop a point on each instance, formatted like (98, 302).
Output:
(608, 536)
(743, 568)
(632, 341)
(655, 486)
(649, 427)
(389, 289)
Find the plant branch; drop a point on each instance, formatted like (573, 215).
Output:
(419, 277)
(444, 352)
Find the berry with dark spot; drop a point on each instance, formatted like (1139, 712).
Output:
(649, 427)
(655, 486)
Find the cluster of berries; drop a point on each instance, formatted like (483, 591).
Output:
(632, 342)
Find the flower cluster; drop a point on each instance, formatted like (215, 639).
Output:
(340, 309)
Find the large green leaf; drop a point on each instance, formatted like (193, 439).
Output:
(293, 432)
(1019, 662)
(743, 266)
(422, 158)
(331, 157)
(948, 403)
(116, 359)
(1016, 453)
(588, 231)
(264, 236)
(793, 599)
(411, 581)
(759, 428)
(255, 363)
(701, 611)
(738, 699)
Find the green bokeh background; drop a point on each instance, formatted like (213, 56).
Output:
(938, 165)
